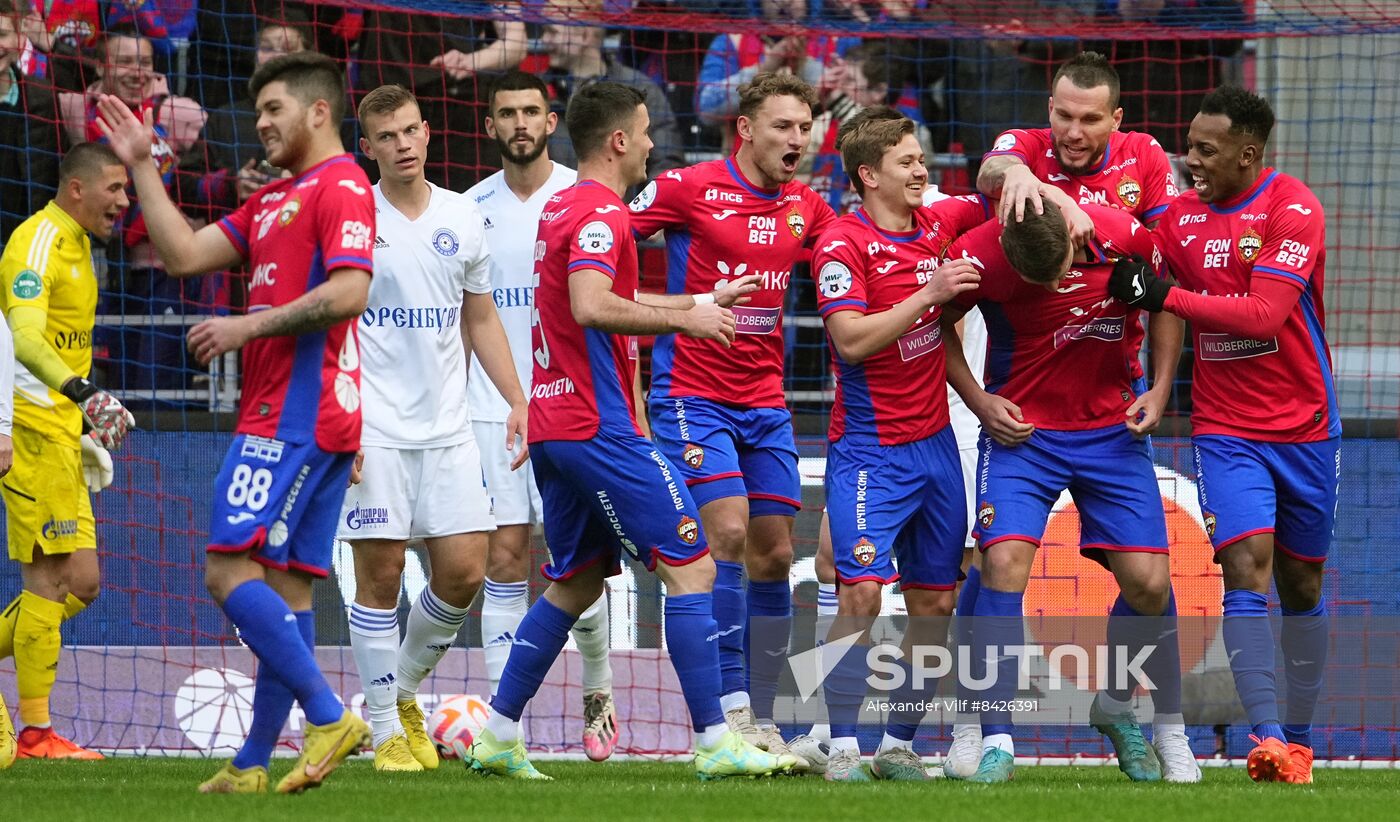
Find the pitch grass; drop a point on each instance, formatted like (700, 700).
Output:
(153, 790)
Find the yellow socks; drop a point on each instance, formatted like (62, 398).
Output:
(36, 648)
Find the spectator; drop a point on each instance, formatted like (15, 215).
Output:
(866, 76)
(734, 59)
(28, 130)
(576, 60)
(1164, 80)
(58, 35)
(151, 356)
(231, 134)
(439, 59)
(671, 59)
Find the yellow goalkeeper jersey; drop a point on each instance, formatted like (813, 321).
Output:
(47, 264)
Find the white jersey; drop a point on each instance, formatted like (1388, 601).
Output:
(974, 340)
(511, 226)
(413, 371)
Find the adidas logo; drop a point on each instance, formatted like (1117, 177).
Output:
(440, 649)
(503, 639)
(380, 242)
(488, 223)
(383, 681)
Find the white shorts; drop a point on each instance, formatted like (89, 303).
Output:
(968, 458)
(514, 496)
(417, 494)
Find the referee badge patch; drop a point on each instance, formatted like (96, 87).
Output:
(27, 285)
(864, 552)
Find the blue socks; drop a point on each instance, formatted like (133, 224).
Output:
(272, 702)
(904, 719)
(766, 641)
(692, 643)
(1000, 624)
(269, 628)
(538, 641)
(1250, 644)
(845, 690)
(1132, 631)
(1305, 655)
(962, 628)
(730, 614)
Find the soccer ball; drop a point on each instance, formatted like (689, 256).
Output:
(456, 721)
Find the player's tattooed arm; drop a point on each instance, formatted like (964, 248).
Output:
(343, 295)
(1011, 180)
(1001, 418)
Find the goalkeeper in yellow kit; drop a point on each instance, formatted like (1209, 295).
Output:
(48, 292)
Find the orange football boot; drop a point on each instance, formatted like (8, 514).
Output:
(1302, 761)
(44, 743)
(1269, 761)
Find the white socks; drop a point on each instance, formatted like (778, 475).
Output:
(591, 634)
(503, 606)
(432, 628)
(374, 640)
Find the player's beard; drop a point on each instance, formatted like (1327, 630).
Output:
(509, 154)
(772, 168)
(296, 141)
(1079, 170)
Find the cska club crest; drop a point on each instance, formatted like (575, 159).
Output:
(1209, 519)
(694, 456)
(987, 514)
(289, 212)
(1129, 192)
(795, 223)
(1249, 245)
(864, 552)
(688, 530)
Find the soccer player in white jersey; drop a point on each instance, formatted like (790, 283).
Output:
(520, 121)
(421, 473)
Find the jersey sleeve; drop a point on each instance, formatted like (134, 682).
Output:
(823, 217)
(476, 259)
(238, 226)
(1293, 240)
(839, 271)
(983, 250)
(963, 213)
(345, 223)
(1158, 184)
(598, 241)
(7, 379)
(1017, 142)
(662, 204)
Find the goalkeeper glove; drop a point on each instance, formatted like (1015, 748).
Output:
(105, 415)
(97, 465)
(1134, 282)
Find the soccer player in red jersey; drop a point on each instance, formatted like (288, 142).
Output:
(308, 240)
(719, 414)
(1082, 152)
(605, 488)
(1248, 249)
(894, 480)
(1060, 412)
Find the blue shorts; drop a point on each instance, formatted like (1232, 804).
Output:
(731, 452)
(1288, 489)
(612, 494)
(897, 506)
(281, 501)
(1107, 471)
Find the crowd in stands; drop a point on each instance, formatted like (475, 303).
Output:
(187, 62)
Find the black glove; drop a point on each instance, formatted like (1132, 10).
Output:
(1134, 282)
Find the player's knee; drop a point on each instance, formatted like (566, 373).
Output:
(727, 535)
(1300, 590)
(862, 599)
(772, 561)
(1242, 567)
(379, 587)
(86, 588)
(459, 587)
(1002, 570)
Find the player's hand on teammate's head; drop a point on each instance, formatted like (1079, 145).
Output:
(736, 291)
(708, 321)
(951, 279)
(517, 435)
(1134, 282)
(216, 336)
(104, 413)
(1020, 190)
(128, 135)
(1081, 225)
(1002, 420)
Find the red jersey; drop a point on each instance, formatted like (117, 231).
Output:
(1278, 389)
(1134, 175)
(720, 226)
(292, 234)
(582, 383)
(899, 394)
(1063, 356)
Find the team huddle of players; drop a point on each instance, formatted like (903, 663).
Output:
(482, 341)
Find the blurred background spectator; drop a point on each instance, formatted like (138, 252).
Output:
(29, 142)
